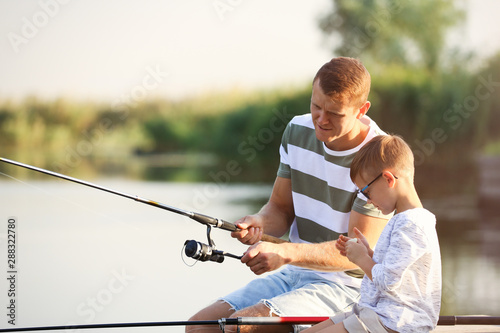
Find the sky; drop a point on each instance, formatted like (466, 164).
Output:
(117, 50)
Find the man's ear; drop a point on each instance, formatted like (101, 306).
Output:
(363, 109)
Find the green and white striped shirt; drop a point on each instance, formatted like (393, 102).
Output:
(322, 190)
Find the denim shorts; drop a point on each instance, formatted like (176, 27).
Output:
(291, 292)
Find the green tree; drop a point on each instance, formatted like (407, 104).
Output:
(392, 31)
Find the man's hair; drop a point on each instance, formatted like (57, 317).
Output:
(383, 152)
(345, 80)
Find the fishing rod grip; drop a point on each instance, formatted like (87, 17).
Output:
(230, 227)
(218, 223)
(272, 239)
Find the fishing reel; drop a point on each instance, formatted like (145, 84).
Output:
(203, 252)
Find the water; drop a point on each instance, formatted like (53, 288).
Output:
(86, 256)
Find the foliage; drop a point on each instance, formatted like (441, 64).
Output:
(441, 115)
(392, 31)
(245, 127)
(420, 88)
(442, 106)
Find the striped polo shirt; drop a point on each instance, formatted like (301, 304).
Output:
(322, 190)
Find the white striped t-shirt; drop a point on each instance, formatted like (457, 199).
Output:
(322, 190)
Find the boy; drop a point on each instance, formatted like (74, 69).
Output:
(401, 289)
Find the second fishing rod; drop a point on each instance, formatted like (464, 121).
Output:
(193, 248)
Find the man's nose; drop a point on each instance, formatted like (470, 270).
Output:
(322, 118)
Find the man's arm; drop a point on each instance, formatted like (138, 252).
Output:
(325, 257)
(275, 217)
(265, 257)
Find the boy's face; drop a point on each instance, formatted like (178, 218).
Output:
(376, 190)
(333, 121)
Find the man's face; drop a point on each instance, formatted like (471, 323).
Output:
(333, 121)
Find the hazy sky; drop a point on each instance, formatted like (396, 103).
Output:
(131, 49)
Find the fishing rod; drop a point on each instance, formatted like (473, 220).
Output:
(193, 249)
(240, 321)
(220, 322)
(468, 320)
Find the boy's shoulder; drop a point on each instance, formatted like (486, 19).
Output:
(416, 214)
(419, 212)
(421, 218)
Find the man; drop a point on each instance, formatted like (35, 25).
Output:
(313, 198)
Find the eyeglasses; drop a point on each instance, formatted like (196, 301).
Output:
(373, 181)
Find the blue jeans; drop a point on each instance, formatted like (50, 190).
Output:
(295, 293)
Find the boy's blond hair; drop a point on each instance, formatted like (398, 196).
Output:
(383, 152)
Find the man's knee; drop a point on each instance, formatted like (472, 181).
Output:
(215, 311)
(258, 310)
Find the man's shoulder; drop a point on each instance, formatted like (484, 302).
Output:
(300, 126)
(374, 128)
(303, 120)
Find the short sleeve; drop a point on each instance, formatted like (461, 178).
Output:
(362, 207)
(284, 167)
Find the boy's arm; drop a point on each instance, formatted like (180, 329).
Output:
(407, 245)
(358, 253)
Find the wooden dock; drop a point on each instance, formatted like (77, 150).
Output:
(489, 181)
(467, 329)
(468, 324)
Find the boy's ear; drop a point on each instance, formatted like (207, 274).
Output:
(389, 178)
(363, 109)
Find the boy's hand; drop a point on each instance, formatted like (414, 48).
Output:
(363, 241)
(342, 242)
(356, 251)
(359, 252)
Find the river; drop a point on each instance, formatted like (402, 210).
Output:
(85, 256)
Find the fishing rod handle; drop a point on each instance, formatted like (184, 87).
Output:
(272, 239)
(215, 222)
(219, 223)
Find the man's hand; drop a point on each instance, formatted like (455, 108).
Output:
(275, 217)
(264, 257)
(251, 229)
